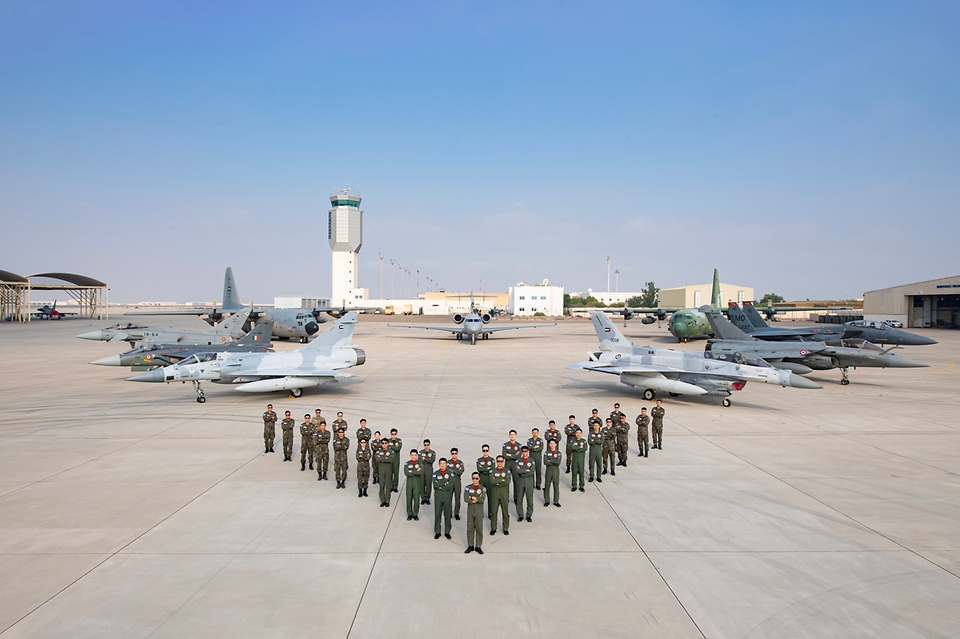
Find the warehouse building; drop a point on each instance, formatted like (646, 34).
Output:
(696, 295)
(933, 303)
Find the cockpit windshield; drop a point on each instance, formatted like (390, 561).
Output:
(737, 358)
(198, 358)
(862, 344)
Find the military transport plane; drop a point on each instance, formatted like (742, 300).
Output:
(679, 372)
(229, 330)
(150, 355)
(748, 320)
(803, 357)
(318, 362)
(471, 325)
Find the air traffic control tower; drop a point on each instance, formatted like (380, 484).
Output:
(345, 233)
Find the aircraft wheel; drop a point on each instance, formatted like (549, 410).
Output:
(726, 402)
(304, 340)
(648, 394)
(844, 382)
(296, 392)
(473, 340)
(201, 399)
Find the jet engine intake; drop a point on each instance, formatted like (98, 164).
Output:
(458, 318)
(486, 317)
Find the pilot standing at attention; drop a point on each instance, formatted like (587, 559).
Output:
(657, 413)
(269, 429)
(287, 427)
(307, 443)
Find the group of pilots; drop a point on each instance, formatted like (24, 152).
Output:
(528, 466)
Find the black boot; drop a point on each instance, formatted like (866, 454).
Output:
(365, 493)
(303, 467)
(325, 476)
(613, 472)
(266, 450)
(311, 465)
(318, 477)
(360, 492)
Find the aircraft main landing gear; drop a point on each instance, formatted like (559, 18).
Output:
(296, 392)
(648, 394)
(200, 398)
(846, 378)
(726, 402)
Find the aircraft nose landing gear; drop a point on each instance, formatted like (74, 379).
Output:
(846, 379)
(296, 392)
(200, 398)
(726, 402)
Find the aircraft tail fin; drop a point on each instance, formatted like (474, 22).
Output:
(609, 336)
(231, 298)
(723, 329)
(260, 335)
(754, 316)
(739, 319)
(233, 325)
(338, 335)
(715, 294)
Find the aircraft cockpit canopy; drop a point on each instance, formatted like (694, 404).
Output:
(737, 358)
(198, 358)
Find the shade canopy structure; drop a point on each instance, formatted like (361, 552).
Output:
(90, 294)
(14, 297)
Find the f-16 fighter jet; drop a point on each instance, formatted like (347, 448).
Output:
(679, 372)
(318, 362)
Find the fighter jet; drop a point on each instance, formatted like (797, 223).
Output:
(229, 330)
(151, 355)
(748, 320)
(471, 325)
(803, 357)
(318, 362)
(679, 372)
(50, 312)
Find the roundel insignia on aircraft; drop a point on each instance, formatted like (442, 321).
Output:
(617, 357)
(148, 358)
(804, 351)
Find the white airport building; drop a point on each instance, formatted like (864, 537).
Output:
(526, 299)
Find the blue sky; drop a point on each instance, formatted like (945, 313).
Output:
(807, 149)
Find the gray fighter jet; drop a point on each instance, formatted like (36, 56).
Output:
(471, 325)
(679, 372)
(747, 319)
(230, 330)
(149, 356)
(802, 357)
(319, 362)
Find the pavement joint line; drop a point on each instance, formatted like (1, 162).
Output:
(393, 510)
(842, 514)
(900, 455)
(116, 552)
(653, 565)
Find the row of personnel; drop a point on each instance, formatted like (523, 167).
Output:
(523, 466)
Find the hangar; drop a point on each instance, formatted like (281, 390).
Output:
(928, 304)
(89, 294)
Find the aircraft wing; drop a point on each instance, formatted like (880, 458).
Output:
(646, 369)
(494, 329)
(181, 311)
(449, 329)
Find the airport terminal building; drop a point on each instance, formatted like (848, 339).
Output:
(929, 304)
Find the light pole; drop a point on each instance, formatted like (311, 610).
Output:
(618, 279)
(381, 275)
(418, 282)
(608, 274)
(391, 279)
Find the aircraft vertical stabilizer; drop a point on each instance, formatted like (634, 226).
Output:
(233, 325)
(609, 336)
(739, 319)
(338, 335)
(715, 294)
(259, 336)
(754, 316)
(231, 298)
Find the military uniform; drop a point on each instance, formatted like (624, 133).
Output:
(499, 498)
(552, 436)
(384, 461)
(443, 506)
(657, 415)
(456, 467)
(269, 430)
(524, 472)
(363, 468)
(427, 457)
(595, 442)
(609, 447)
(365, 434)
(643, 439)
(287, 427)
(578, 449)
(570, 431)
(396, 445)
(474, 498)
(339, 424)
(511, 453)
(615, 417)
(623, 434)
(323, 451)
(551, 476)
(375, 446)
(485, 466)
(535, 446)
(340, 447)
(307, 444)
(413, 471)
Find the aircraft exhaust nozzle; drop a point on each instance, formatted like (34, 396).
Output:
(795, 381)
(311, 328)
(279, 384)
(96, 336)
(662, 384)
(156, 375)
(793, 367)
(110, 360)
(361, 356)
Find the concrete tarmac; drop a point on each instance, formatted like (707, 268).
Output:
(130, 510)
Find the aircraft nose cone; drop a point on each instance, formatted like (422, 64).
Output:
(96, 335)
(110, 360)
(311, 328)
(802, 382)
(896, 361)
(155, 375)
(918, 340)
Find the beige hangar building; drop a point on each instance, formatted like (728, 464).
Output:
(933, 303)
